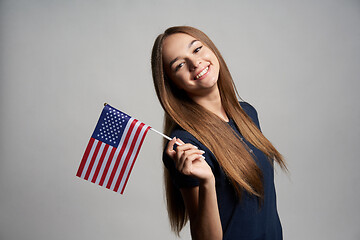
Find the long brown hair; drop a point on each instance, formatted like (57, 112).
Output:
(216, 135)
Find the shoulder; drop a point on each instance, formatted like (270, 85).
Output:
(184, 135)
(248, 108)
(251, 112)
(187, 137)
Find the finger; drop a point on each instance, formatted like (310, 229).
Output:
(185, 147)
(178, 140)
(180, 150)
(180, 157)
(189, 163)
(189, 154)
(170, 148)
(193, 151)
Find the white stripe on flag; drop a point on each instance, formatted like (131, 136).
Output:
(132, 158)
(96, 161)
(88, 160)
(118, 170)
(113, 160)
(104, 164)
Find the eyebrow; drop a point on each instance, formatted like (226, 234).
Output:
(175, 59)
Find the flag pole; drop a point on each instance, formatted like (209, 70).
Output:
(167, 137)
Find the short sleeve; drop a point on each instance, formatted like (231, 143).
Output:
(251, 112)
(180, 180)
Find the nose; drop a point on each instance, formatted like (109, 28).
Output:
(194, 63)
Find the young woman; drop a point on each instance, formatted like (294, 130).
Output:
(219, 166)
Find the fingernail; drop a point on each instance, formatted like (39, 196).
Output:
(202, 151)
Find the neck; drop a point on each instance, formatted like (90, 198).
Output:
(212, 102)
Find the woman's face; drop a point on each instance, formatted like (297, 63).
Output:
(191, 65)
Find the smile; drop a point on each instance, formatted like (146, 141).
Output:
(202, 73)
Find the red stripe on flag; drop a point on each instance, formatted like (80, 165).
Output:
(86, 154)
(130, 152)
(92, 160)
(100, 163)
(125, 143)
(106, 169)
(132, 165)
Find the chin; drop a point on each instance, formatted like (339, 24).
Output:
(210, 82)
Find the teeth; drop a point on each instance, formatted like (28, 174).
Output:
(202, 73)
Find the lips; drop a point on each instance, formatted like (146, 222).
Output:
(202, 73)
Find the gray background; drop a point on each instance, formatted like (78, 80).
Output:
(297, 62)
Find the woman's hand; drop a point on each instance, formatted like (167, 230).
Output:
(189, 160)
(204, 218)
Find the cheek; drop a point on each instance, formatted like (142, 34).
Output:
(177, 80)
(174, 78)
(206, 55)
(212, 58)
(216, 63)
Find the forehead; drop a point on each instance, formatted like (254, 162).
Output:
(175, 44)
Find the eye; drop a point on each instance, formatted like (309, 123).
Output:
(197, 49)
(179, 66)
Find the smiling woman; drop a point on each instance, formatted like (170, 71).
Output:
(221, 178)
(190, 64)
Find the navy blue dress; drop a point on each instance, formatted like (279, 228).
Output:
(239, 219)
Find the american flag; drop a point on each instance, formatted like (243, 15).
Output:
(112, 150)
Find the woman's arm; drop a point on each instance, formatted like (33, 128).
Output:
(201, 204)
(201, 201)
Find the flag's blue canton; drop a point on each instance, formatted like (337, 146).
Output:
(111, 126)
